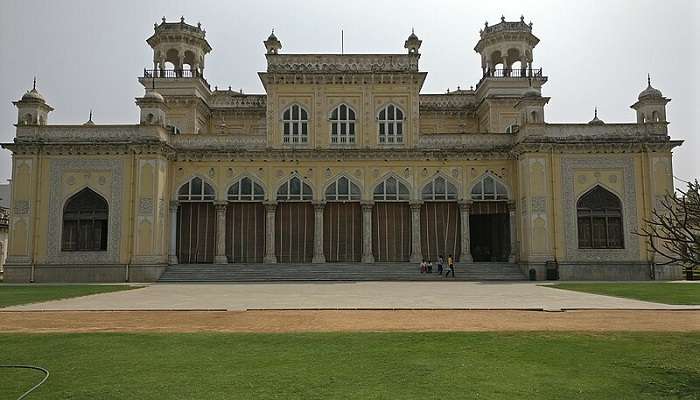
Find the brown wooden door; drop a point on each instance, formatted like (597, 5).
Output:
(196, 233)
(391, 231)
(294, 232)
(245, 232)
(440, 230)
(342, 232)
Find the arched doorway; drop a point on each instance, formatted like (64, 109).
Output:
(391, 222)
(342, 222)
(599, 219)
(85, 222)
(196, 222)
(245, 222)
(294, 222)
(440, 220)
(489, 221)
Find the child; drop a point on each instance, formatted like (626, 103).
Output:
(430, 267)
(440, 262)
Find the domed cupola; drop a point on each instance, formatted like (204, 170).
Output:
(272, 44)
(412, 43)
(650, 105)
(650, 91)
(32, 108)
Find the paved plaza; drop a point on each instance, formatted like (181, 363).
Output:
(357, 295)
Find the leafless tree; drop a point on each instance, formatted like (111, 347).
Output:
(673, 231)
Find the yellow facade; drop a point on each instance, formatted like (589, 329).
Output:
(497, 129)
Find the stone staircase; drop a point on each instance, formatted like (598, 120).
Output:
(334, 272)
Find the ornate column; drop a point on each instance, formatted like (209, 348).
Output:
(367, 256)
(318, 233)
(513, 233)
(172, 252)
(270, 210)
(465, 207)
(220, 255)
(416, 254)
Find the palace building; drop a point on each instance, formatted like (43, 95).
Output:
(341, 160)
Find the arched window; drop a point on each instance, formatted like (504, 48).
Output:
(295, 122)
(196, 190)
(246, 190)
(489, 189)
(85, 222)
(342, 189)
(343, 125)
(391, 190)
(655, 116)
(390, 125)
(439, 189)
(294, 189)
(599, 220)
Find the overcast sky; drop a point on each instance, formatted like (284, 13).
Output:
(88, 54)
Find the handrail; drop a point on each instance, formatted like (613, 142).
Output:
(171, 73)
(513, 73)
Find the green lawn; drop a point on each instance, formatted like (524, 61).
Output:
(356, 366)
(668, 293)
(11, 295)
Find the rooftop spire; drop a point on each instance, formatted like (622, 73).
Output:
(90, 119)
(34, 84)
(648, 79)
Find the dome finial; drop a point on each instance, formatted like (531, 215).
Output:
(648, 79)
(34, 83)
(90, 119)
(503, 18)
(595, 112)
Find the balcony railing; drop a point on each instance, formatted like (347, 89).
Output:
(513, 73)
(171, 73)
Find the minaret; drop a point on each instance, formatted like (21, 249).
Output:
(272, 44)
(32, 108)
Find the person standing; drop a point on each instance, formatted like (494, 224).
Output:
(423, 267)
(450, 266)
(430, 266)
(440, 263)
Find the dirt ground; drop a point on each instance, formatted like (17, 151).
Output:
(348, 320)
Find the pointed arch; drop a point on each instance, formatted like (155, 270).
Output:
(439, 187)
(246, 187)
(196, 188)
(599, 219)
(85, 222)
(342, 188)
(342, 119)
(391, 188)
(489, 187)
(295, 124)
(295, 188)
(391, 118)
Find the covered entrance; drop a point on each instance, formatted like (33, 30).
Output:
(440, 220)
(196, 223)
(245, 222)
(391, 222)
(342, 222)
(294, 222)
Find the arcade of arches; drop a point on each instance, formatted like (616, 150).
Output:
(294, 229)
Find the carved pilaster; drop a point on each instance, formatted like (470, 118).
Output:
(367, 256)
(465, 207)
(318, 257)
(416, 253)
(220, 255)
(270, 210)
(172, 253)
(513, 234)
